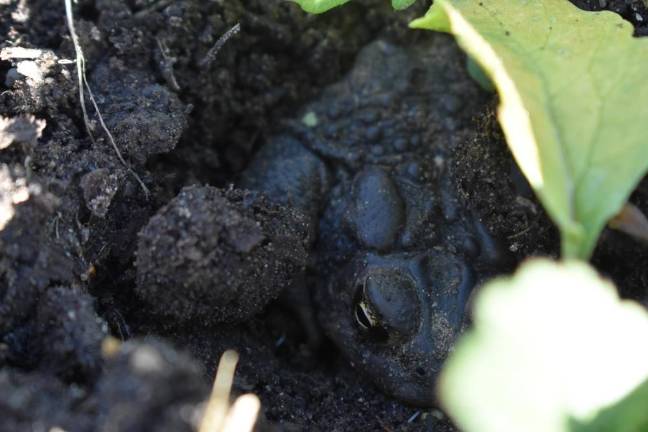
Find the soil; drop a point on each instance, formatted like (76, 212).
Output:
(72, 202)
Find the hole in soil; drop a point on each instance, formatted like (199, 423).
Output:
(3, 285)
(88, 12)
(4, 68)
(84, 215)
(420, 372)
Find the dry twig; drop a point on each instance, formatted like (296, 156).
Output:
(219, 417)
(213, 51)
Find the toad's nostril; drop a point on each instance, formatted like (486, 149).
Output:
(420, 372)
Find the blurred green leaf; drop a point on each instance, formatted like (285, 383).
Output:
(553, 349)
(477, 73)
(573, 94)
(319, 6)
(402, 4)
(627, 415)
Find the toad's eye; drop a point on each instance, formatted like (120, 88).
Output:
(367, 319)
(364, 316)
(386, 304)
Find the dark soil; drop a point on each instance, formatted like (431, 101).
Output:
(634, 11)
(71, 211)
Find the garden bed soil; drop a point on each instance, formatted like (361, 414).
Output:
(71, 210)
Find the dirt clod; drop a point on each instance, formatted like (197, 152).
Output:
(150, 386)
(67, 334)
(218, 255)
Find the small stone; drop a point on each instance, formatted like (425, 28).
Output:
(451, 103)
(310, 119)
(377, 150)
(400, 144)
(373, 133)
(30, 69)
(414, 169)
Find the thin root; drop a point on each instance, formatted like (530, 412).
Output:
(83, 84)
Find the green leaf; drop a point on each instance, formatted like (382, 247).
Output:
(478, 75)
(319, 6)
(402, 4)
(627, 415)
(552, 349)
(573, 94)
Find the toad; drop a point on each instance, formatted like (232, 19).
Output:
(397, 254)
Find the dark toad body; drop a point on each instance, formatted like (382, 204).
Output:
(397, 254)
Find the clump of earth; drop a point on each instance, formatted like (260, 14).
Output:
(236, 190)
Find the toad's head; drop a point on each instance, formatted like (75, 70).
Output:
(395, 317)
